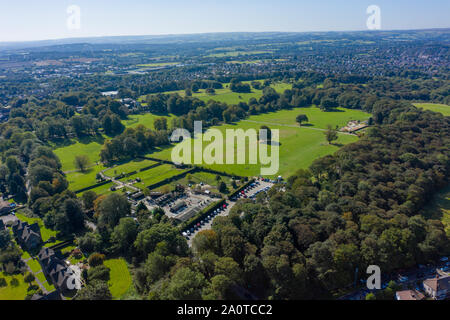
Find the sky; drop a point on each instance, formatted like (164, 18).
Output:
(22, 20)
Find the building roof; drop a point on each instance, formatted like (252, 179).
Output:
(438, 283)
(409, 295)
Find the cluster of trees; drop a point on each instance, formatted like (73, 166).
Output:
(237, 86)
(53, 119)
(96, 279)
(359, 207)
(132, 142)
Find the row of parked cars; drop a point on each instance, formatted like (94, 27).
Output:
(202, 222)
(243, 193)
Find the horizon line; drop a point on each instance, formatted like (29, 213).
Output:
(218, 32)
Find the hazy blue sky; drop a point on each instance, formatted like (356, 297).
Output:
(46, 19)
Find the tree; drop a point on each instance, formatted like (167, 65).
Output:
(111, 209)
(100, 272)
(223, 187)
(124, 234)
(96, 259)
(186, 284)
(88, 199)
(206, 240)
(81, 162)
(29, 278)
(160, 124)
(95, 290)
(301, 118)
(331, 134)
(5, 239)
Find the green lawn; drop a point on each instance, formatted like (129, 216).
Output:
(79, 180)
(34, 265)
(146, 119)
(154, 175)
(300, 146)
(13, 293)
(120, 277)
(131, 166)
(102, 190)
(49, 287)
(45, 233)
(226, 95)
(436, 107)
(88, 147)
(317, 118)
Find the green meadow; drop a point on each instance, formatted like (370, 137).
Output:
(436, 107)
(299, 145)
(120, 277)
(154, 175)
(298, 148)
(146, 119)
(128, 167)
(10, 292)
(79, 180)
(88, 147)
(226, 95)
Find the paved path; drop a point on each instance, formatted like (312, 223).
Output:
(293, 126)
(41, 285)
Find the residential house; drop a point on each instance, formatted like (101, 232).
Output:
(28, 236)
(438, 288)
(5, 207)
(409, 295)
(56, 269)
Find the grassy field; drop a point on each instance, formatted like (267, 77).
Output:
(299, 146)
(436, 107)
(226, 95)
(120, 277)
(79, 180)
(131, 166)
(154, 175)
(102, 190)
(88, 147)
(146, 119)
(317, 118)
(34, 265)
(439, 208)
(13, 293)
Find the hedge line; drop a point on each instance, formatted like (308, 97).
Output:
(93, 186)
(240, 188)
(200, 215)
